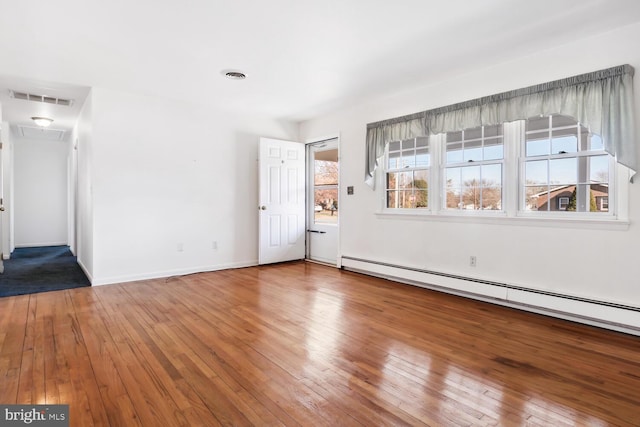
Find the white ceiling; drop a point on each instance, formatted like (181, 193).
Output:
(303, 58)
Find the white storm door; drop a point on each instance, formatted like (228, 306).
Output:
(282, 201)
(323, 193)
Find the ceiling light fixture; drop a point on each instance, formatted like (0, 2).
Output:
(42, 121)
(234, 74)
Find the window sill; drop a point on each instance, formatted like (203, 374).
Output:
(501, 218)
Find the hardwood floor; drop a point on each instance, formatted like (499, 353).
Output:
(303, 344)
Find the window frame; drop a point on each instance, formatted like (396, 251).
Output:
(513, 177)
(444, 166)
(386, 171)
(564, 199)
(611, 214)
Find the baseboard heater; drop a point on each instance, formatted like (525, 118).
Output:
(618, 317)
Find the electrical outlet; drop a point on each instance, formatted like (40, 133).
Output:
(214, 245)
(472, 261)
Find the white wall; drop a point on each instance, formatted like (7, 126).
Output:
(585, 261)
(167, 173)
(6, 234)
(40, 199)
(83, 134)
(6, 229)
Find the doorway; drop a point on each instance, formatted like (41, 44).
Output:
(323, 207)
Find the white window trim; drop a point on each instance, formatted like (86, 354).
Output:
(564, 199)
(381, 178)
(513, 197)
(443, 210)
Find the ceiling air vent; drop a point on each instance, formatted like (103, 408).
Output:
(41, 98)
(41, 133)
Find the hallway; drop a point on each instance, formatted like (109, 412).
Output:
(41, 269)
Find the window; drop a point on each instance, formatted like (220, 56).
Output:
(407, 176)
(563, 202)
(325, 186)
(473, 172)
(565, 167)
(549, 166)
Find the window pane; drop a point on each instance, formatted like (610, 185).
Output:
(454, 152)
(422, 198)
(595, 142)
(422, 157)
(560, 121)
(454, 136)
(492, 198)
(589, 198)
(454, 179)
(490, 131)
(394, 161)
(599, 169)
(537, 144)
(453, 198)
(493, 149)
(422, 141)
(470, 175)
(475, 133)
(491, 175)
(565, 140)
(471, 196)
(536, 172)
(599, 198)
(472, 151)
(470, 187)
(392, 199)
(408, 143)
(535, 198)
(392, 181)
(559, 198)
(405, 179)
(453, 188)
(325, 172)
(538, 123)
(563, 171)
(394, 146)
(326, 206)
(408, 159)
(421, 179)
(405, 199)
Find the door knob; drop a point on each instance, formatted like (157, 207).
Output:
(264, 208)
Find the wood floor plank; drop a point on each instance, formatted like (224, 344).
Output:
(300, 344)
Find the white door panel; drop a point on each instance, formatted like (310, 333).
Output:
(281, 204)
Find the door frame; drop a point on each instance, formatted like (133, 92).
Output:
(309, 205)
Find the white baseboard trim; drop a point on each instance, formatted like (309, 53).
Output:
(617, 317)
(86, 272)
(40, 245)
(170, 273)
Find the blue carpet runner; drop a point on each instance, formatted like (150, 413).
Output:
(41, 269)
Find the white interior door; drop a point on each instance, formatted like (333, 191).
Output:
(323, 190)
(282, 204)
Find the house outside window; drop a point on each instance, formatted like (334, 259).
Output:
(565, 167)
